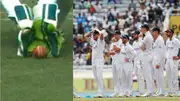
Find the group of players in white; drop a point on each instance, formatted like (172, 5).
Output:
(150, 53)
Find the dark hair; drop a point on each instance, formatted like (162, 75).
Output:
(170, 30)
(95, 32)
(145, 26)
(117, 32)
(156, 29)
(125, 36)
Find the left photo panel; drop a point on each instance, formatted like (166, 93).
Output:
(36, 50)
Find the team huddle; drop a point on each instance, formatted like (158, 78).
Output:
(150, 53)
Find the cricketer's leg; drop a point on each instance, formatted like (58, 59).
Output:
(147, 72)
(115, 76)
(46, 15)
(128, 72)
(25, 37)
(123, 79)
(175, 82)
(47, 11)
(23, 17)
(169, 75)
(159, 73)
(97, 71)
(140, 79)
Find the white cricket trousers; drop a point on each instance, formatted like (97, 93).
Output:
(147, 72)
(98, 73)
(172, 75)
(116, 75)
(159, 76)
(126, 77)
(140, 77)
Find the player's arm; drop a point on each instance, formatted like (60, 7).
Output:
(87, 36)
(132, 52)
(111, 51)
(178, 55)
(143, 45)
(160, 54)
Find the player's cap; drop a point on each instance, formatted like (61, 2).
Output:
(117, 32)
(145, 26)
(125, 36)
(156, 29)
(170, 31)
(136, 32)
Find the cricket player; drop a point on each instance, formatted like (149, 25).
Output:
(172, 47)
(137, 62)
(158, 60)
(37, 28)
(97, 42)
(127, 67)
(146, 47)
(114, 52)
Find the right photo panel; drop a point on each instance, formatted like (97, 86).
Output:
(126, 49)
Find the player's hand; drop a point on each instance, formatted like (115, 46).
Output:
(111, 53)
(175, 58)
(126, 59)
(157, 66)
(116, 49)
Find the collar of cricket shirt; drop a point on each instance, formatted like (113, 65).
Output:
(158, 38)
(171, 38)
(146, 33)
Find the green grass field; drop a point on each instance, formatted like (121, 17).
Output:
(29, 79)
(128, 99)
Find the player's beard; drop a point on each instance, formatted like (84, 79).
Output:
(136, 38)
(124, 41)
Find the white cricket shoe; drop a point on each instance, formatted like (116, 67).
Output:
(147, 95)
(158, 95)
(128, 95)
(170, 94)
(99, 95)
(157, 92)
(121, 94)
(114, 95)
(139, 94)
(175, 94)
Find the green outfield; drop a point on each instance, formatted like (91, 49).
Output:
(128, 99)
(29, 79)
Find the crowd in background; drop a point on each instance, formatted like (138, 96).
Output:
(90, 16)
